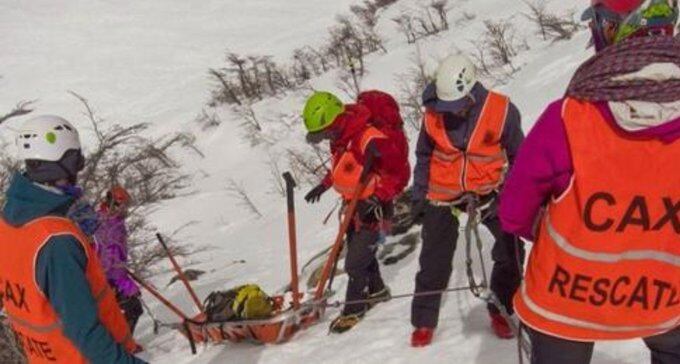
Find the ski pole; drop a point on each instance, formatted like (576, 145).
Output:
(292, 239)
(158, 296)
(180, 272)
(349, 217)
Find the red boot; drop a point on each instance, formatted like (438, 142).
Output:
(500, 326)
(422, 336)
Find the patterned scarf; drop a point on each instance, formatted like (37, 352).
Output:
(596, 80)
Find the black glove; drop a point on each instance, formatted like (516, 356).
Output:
(370, 210)
(315, 194)
(418, 211)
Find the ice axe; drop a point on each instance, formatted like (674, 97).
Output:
(292, 239)
(347, 220)
(181, 274)
(158, 296)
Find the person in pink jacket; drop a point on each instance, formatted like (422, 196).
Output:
(634, 83)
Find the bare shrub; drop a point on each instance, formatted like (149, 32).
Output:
(429, 19)
(411, 85)
(250, 78)
(147, 169)
(309, 166)
(11, 351)
(208, 120)
(500, 40)
(21, 108)
(550, 25)
(238, 192)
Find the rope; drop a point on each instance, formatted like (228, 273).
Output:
(338, 304)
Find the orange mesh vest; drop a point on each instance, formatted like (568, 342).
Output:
(478, 169)
(347, 170)
(32, 317)
(606, 264)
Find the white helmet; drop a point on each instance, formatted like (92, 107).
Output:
(455, 78)
(47, 138)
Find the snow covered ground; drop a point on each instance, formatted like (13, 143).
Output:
(147, 61)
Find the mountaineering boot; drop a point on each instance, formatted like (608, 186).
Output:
(344, 323)
(421, 337)
(383, 295)
(500, 326)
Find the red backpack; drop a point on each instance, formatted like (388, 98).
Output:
(385, 116)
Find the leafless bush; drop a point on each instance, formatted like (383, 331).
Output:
(238, 192)
(349, 82)
(250, 125)
(21, 108)
(496, 49)
(309, 166)
(411, 85)
(429, 19)
(8, 166)
(550, 25)
(252, 78)
(499, 38)
(146, 168)
(11, 351)
(208, 120)
(275, 173)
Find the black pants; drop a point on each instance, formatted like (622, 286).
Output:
(440, 235)
(362, 268)
(132, 309)
(547, 349)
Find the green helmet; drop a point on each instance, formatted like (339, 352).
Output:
(321, 110)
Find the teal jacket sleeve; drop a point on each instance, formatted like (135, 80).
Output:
(60, 273)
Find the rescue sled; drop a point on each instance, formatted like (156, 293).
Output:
(289, 317)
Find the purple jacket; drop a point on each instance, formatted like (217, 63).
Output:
(460, 132)
(111, 242)
(543, 167)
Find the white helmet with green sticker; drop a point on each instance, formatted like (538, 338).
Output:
(46, 138)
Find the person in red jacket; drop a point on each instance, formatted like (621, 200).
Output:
(372, 125)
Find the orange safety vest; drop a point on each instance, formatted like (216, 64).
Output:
(478, 169)
(33, 319)
(347, 170)
(606, 264)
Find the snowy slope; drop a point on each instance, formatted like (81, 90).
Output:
(147, 61)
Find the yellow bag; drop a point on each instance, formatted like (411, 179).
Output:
(252, 303)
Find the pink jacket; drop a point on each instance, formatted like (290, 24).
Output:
(543, 167)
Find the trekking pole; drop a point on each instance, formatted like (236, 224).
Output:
(158, 296)
(180, 272)
(292, 239)
(349, 217)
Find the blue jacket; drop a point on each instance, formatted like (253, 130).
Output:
(459, 132)
(60, 273)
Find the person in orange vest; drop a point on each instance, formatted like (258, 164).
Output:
(596, 186)
(54, 291)
(372, 125)
(468, 140)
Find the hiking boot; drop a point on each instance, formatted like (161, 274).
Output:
(500, 326)
(344, 323)
(381, 296)
(421, 337)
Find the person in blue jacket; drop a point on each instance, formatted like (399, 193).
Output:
(60, 267)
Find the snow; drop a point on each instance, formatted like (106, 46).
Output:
(148, 60)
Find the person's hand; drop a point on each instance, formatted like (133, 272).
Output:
(370, 209)
(315, 194)
(418, 211)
